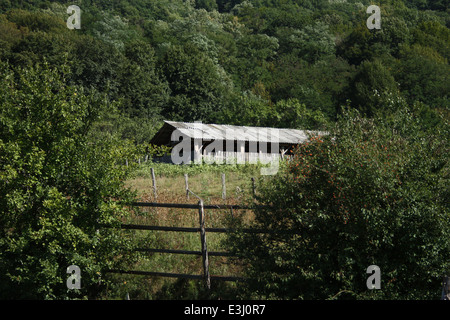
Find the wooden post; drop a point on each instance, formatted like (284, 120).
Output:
(206, 275)
(224, 190)
(445, 289)
(154, 183)
(253, 187)
(187, 185)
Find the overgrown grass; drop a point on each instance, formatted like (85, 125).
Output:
(206, 182)
(171, 170)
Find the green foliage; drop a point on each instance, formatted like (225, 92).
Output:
(171, 170)
(255, 53)
(292, 114)
(206, 4)
(423, 74)
(313, 42)
(34, 21)
(174, 59)
(275, 63)
(372, 87)
(142, 91)
(373, 192)
(56, 187)
(251, 110)
(196, 83)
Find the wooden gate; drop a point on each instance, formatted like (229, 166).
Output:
(204, 253)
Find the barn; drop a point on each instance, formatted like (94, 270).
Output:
(218, 143)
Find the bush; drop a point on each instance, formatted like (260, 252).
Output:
(373, 192)
(56, 187)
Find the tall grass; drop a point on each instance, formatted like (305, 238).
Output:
(170, 170)
(206, 182)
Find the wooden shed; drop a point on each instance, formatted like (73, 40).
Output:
(228, 143)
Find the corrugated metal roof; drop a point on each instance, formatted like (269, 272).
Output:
(242, 133)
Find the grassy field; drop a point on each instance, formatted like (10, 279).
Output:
(206, 182)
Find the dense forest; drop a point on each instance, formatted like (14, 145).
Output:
(290, 64)
(74, 101)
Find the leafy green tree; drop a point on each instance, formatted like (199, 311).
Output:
(57, 186)
(197, 85)
(372, 192)
(434, 35)
(428, 4)
(10, 34)
(206, 4)
(36, 21)
(313, 42)
(372, 87)
(423, 76)
(112, 29)
(358, 45)
(141, 89)
(255, 53)
(393, 35)
(246, 109)
(227, 5)
(293, 114)
(95, 65)
(320, 86)
(253, 110)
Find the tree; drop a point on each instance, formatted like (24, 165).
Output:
(423, 76)
(372, 88)
(227, 5)
(246, 109)
(359, 45)
(254, 59)
(95, 65)
(57, 187)
(372, 192)
(198, 86)
(313, 42)
(141, 89)
(35, 21)
(293, 114)
(209, 5)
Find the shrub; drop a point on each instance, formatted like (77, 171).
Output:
(372, 192)
(56, 187)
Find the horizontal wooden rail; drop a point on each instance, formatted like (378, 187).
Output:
(201, 229)
(158, 228)
(217, 230)
(175, 275)
(199, 253)
(191, 206)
